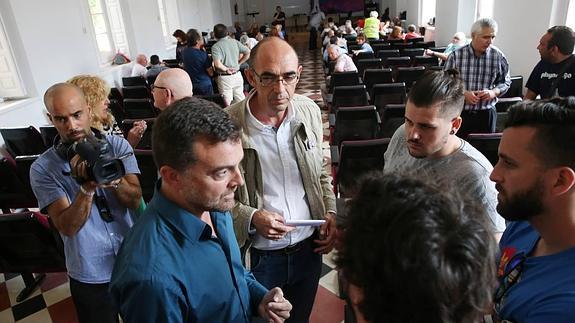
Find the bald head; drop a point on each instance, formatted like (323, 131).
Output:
(142, 59)
(271, 47)
(174, 84)
(60, 92)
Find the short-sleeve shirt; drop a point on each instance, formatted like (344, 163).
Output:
(545, 289)
(227, 51)
(196, 62)
(545, 73)
(91, 252)
(344, 63)
(466, 168)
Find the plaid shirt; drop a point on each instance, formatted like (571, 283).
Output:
(486, 72)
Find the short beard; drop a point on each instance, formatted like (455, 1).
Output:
(523, 205)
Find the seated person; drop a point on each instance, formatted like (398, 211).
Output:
(411, 33)
(139, 67)
(364, 46)
(457, 41)
(396, 33)
(155, 67)
(429, 257)
(343, 63)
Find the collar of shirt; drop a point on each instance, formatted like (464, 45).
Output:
(188, 224)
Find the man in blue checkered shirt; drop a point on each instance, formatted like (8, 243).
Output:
(485, 72)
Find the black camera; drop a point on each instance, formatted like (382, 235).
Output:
(101, 165)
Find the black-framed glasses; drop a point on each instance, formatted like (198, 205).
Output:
(513, 270)
(270, 79)
(154, 86)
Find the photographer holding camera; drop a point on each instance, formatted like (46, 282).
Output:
(87, 184)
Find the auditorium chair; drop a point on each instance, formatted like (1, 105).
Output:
(487, 144)
(22, 141)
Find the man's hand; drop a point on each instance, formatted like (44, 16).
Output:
(327, 234)
(274, 307)
(270, 225)
(486, 95)
(135, 134)
(79, 170)
(471, 97)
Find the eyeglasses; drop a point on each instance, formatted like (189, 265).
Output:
(270, 79)
(157, 87)
(513, 271)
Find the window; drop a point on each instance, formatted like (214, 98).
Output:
(484, 9)
(108, 28)
(427, 11)
(169, 20)
(11, 85)
(570, 22)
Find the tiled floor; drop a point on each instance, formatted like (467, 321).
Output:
(52, 302)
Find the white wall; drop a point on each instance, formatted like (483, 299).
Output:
(518, 42)
(452, 16)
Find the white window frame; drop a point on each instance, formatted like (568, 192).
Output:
(11, 84)
(428, 10)
(115, 32)
(484, 9)
(169, 19)
(570, 19)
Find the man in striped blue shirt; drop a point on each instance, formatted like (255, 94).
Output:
(485, 72)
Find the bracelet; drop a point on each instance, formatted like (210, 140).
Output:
(83, 190)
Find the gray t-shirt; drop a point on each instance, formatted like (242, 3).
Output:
(466, 169)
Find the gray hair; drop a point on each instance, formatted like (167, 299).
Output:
(373, 14)
(483, 23)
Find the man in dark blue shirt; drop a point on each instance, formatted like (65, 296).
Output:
(181, 261)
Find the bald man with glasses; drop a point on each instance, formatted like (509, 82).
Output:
(285, 179)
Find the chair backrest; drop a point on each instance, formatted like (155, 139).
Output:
(133, 81)
(412, 52)
(48, 134)
(216, 98)
(343, 79)
(148, 172)
(393, 62)
(115, 94)
(426, 61)
(357, 158)
(13, 192)
(364, 64)
(364, 55)
(136, 92)
(355, 123)
(139, 109)
(171, 63)
(146, 141)
(396, 41)
(151, 79)
(23, 141)
(440, 49)
(349, 96)
(408, 75)
(376, 76)
(402, 46)
(117, 110)
(487, 144)
(379, 47)
(516, 87)
(388, 53)
(27, 245)
(352, 47)
(392, 116)
(503, 104)
(389, 93)
(23, 165)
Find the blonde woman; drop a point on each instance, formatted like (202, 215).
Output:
(96, 93)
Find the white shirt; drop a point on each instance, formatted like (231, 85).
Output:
(284, 192)
(139, 70)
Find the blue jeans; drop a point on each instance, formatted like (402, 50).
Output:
(296, 272)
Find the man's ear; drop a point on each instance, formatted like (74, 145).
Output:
(564, 180)
(251, 77)
(170, 176)
(456, 124)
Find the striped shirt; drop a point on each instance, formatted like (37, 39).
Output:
(488, 71)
